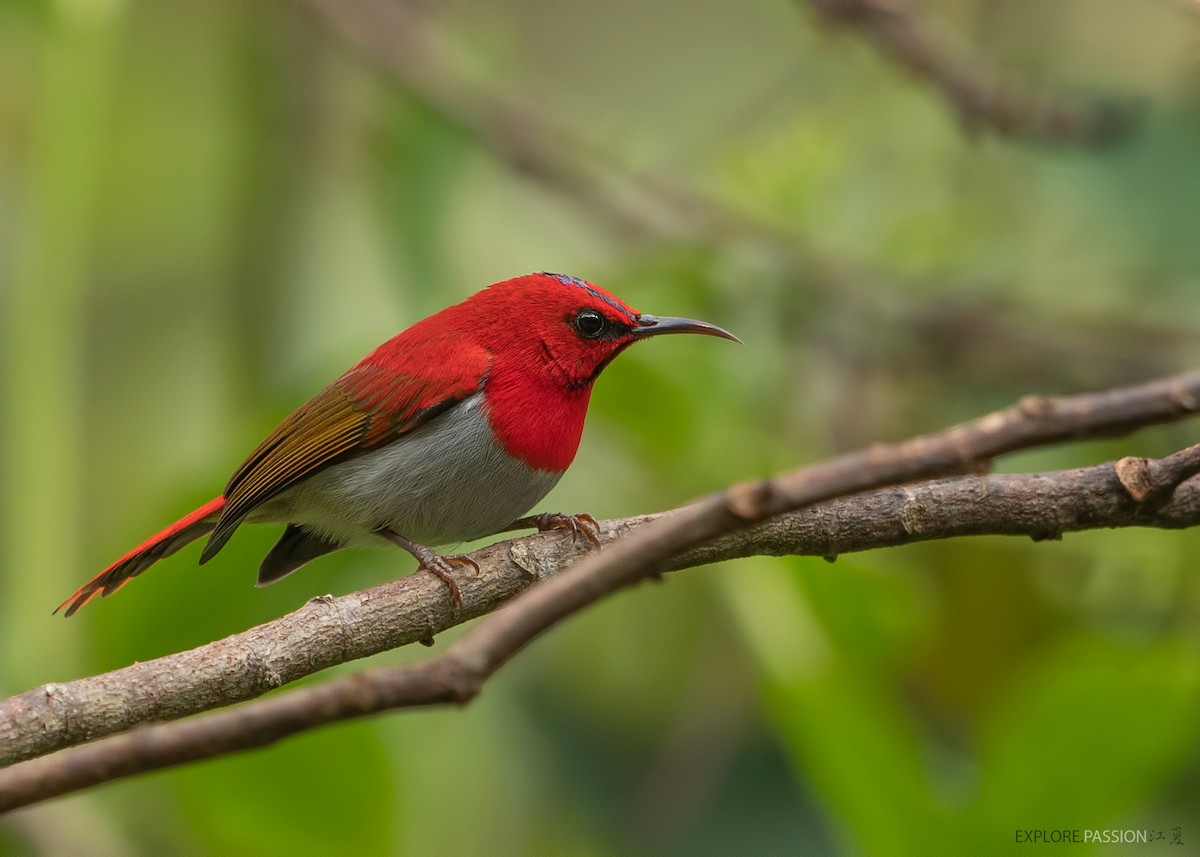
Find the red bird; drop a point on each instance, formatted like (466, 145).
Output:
(449, 431)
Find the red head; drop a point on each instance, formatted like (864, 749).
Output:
(562, 328)
(544, 339)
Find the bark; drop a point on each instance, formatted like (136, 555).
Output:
(828, 508)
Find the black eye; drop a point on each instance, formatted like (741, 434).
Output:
(589, 323)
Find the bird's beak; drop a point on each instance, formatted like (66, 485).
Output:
(653, 325)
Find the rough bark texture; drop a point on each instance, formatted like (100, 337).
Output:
(1039, 505)
(328, 630)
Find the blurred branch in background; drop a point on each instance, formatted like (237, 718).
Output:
(981, 99)
(1131, 491)
(258, 196)
(397, 38)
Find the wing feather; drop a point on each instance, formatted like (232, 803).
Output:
(366, 408)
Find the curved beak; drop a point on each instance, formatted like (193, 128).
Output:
(654, 325)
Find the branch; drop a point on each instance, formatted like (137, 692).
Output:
(398, 39)
(980, 98)
(1133, 491)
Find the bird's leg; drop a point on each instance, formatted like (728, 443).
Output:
(432, 561)
(585, 524)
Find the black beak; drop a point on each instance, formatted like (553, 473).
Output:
(651, 325)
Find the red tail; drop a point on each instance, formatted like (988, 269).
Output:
(184, 531)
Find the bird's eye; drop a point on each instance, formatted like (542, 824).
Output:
(589, 323)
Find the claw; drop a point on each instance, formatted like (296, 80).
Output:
(440, 566)
(584, 525)
(433, 562)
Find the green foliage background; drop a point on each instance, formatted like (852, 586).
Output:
(209, 209)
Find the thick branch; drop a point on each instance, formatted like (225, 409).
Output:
(158, 690)
(980, 98)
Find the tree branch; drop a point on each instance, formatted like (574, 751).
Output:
(981, 99)
(328, 630)
(397, 38)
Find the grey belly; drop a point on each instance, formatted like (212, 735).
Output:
(446, 482)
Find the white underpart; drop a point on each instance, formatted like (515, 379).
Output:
(445, 482)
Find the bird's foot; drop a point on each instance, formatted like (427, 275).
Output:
(584, 525)
(441, 566)
(436, 564)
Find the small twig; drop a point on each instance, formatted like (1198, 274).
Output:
(979, 97)
(457, 675)
(1152, 483)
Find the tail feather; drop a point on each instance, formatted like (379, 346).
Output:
(296, 547)
(187, 529)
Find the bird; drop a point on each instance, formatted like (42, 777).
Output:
(448, 432)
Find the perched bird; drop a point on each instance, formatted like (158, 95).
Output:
(449, 431)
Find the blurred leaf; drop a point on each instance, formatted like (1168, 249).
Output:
(1089, 733)
(843, 730)
(422, 157)
(316, 794)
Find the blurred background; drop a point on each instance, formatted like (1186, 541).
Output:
(208, 210)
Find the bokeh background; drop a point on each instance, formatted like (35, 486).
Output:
(207, 210)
